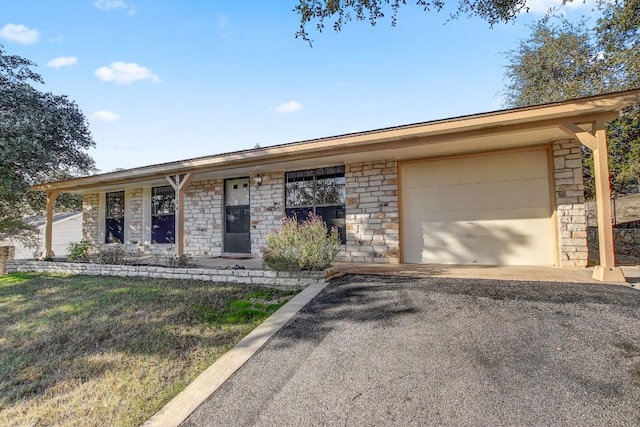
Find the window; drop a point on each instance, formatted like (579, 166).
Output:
(163, 214)
(319, 191)
(114, 217)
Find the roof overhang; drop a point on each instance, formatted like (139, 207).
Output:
(518, 127)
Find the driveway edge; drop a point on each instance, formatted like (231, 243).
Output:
(180, 407)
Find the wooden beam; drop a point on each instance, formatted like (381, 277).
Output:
(48, 236)
(581, 135)
(607, 270)
(180, 183)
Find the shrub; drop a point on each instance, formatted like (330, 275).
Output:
(180, 261)
(79, 251)
(301, 246)
(115, 254)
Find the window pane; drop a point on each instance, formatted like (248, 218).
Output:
(299, 193)
(163, 200)
(163, 229)
(330, 190)
(301, 214)
(237, 220)
(115, 205)
(114, 230)
(334, 216)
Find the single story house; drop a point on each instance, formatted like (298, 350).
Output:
(66, 228)
(497, 188)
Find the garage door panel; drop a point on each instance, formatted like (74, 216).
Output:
(477, 216)
(481, 251)
(499, 229)
(500, 195)
(495, 167)
(489, 209)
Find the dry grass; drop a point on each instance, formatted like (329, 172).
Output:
(89, 351)
(627, 209)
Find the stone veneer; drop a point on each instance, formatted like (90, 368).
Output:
(571, 214)
(372, 218)
(204, 218)
(90, 207)
(267, 207)
(284, 279)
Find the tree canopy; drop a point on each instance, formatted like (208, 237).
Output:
(339, 12)
(564, 60)
(43, 137)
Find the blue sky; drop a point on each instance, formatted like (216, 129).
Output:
(166, 80)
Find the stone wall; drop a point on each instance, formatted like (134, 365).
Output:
(90, 209)
(204, 218)
(134, 220)
(372, 218)
(267, 207)
(621, 236)
(571, 214)
(281, 279)
(7, 254)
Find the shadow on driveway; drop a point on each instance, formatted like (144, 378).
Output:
(373, 350)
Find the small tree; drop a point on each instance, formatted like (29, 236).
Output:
(299, 246)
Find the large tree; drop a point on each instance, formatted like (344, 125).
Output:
(339, 12)
(563, 60)
(43, 137)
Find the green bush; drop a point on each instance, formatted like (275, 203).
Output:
(79, 251)
(301, 246)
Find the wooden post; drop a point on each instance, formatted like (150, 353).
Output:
(607, 270)
(51, 201)
(597, 142)
(180, 184)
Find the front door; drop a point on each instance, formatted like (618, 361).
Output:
(237, 219)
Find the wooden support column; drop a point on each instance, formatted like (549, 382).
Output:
(180, 184)
(607, 270)
(48, 236)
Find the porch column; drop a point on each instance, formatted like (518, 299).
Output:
(180, 184)
(597, 142)
(48, 235)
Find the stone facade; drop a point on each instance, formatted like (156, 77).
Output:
(281, 279)
(90, 209)
(204, 218)
(372, 213)
(571, 214)
(267, 207)
(134, 223)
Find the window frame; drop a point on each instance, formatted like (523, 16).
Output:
(168, 218)
(110, 217)
(314, 176)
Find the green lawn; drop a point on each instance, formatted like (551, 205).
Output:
(83, 350)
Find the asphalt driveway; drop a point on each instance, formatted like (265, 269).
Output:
(398, 351)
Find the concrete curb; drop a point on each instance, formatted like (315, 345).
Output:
(180, 407)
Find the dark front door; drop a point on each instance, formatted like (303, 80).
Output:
(237, 219)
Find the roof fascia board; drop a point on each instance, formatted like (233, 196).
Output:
(576, 112)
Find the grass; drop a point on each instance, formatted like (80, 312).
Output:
(627, 209)
(89, 351)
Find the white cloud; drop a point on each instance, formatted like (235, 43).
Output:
(104, 116)
(19, 33)
(288, 107)
(115, 4)
(63, 61)
(125, 73)
(542, 6)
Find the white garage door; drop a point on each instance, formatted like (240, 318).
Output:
(491, 209)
